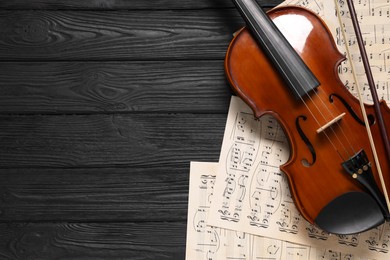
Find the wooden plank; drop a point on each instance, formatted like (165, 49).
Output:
(92, 241)
(117, 35)
(109, 140)
(94, 87)
(98, 194)
(122, 4)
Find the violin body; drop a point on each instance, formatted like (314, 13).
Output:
(324, 193)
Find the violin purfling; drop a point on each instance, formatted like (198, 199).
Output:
(285, 64)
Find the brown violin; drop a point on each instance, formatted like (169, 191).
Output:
(285, 64)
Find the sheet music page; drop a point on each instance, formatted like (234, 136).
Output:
(251, 194)
(374, 20)
(212, 243)
(317, 6)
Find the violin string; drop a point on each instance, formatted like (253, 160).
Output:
(320, 113)
(370, 137)
(349, 58)
(320, 125)
(318, 122)
(331, 114)
(325, 119)
(331, 127)
(338, 125)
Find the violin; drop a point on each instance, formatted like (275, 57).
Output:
(284, 63)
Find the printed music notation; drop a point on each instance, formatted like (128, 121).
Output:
(316, 6)
(374, 20)
(211, 243)
(251, 194)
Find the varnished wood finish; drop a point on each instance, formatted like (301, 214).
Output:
(255, 80)
(103, 104)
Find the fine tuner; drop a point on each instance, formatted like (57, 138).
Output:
(284, 63)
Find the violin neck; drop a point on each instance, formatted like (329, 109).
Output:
(274, 45)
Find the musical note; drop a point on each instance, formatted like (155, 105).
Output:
(251, 195)
(379, 239)
(350, 240)
(257, 200)
(374, 19)
(314, 5)
(211, 243)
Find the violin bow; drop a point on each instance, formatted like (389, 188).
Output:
(373, 91)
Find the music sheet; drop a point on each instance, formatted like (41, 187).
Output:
(317, 6)
(212, 243)
(251, 194)
(374, 20)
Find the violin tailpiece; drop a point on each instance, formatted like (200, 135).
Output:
(359, 168)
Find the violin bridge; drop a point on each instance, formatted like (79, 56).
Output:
(330, 123)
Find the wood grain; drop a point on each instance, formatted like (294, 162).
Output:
(109, 140)
(112, 87)
(97, 194)
(103, 104)
(148, 240)
(116, 35)
(122, 4)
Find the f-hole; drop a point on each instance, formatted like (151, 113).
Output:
(306, 140)
(371, 118)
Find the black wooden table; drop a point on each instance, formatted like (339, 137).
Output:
(103, 105)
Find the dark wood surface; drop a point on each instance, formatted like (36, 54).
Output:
(103, 104)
